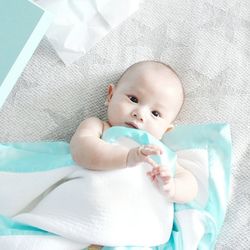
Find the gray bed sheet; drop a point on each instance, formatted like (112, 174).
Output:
(207, 42)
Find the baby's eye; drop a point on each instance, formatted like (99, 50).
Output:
(156, 113)
(133, 99)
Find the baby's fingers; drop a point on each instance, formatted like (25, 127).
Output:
(150, 149)
(166, 178)
(165, 172)
(150, 161)
(151, 176)
(167, 187)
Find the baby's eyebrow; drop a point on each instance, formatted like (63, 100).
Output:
(132, 91)
(160, 106)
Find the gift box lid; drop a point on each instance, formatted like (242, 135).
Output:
(22, 26)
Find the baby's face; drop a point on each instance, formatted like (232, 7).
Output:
(147, 99)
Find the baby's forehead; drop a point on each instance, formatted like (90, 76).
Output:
(148, 70)
(151, 72)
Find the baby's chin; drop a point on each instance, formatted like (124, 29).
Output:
(134, 126)
(131, 125)
(124, 124)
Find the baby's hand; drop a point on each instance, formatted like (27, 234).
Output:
(142, 154)
(163, 178)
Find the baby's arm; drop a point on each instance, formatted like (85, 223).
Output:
(181, 188)
(90, 151)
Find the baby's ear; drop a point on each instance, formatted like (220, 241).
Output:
(110, 90)
(170, 127)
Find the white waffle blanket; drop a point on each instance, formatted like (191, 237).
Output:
(111, 208)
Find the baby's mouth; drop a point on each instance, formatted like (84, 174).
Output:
(131, 125)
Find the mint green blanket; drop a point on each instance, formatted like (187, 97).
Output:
(196, 224)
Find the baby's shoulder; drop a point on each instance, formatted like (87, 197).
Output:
(106, 126)
(91, 125)
(96, 124)
(91, 121)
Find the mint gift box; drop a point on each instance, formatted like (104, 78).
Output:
(22, 26)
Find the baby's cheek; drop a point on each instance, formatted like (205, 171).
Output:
(156, 132)
(115, 115)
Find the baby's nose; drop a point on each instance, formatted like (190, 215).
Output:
(138, 115)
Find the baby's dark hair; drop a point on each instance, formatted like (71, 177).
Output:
(159, 63)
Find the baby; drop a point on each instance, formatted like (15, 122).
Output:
(148, 96)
